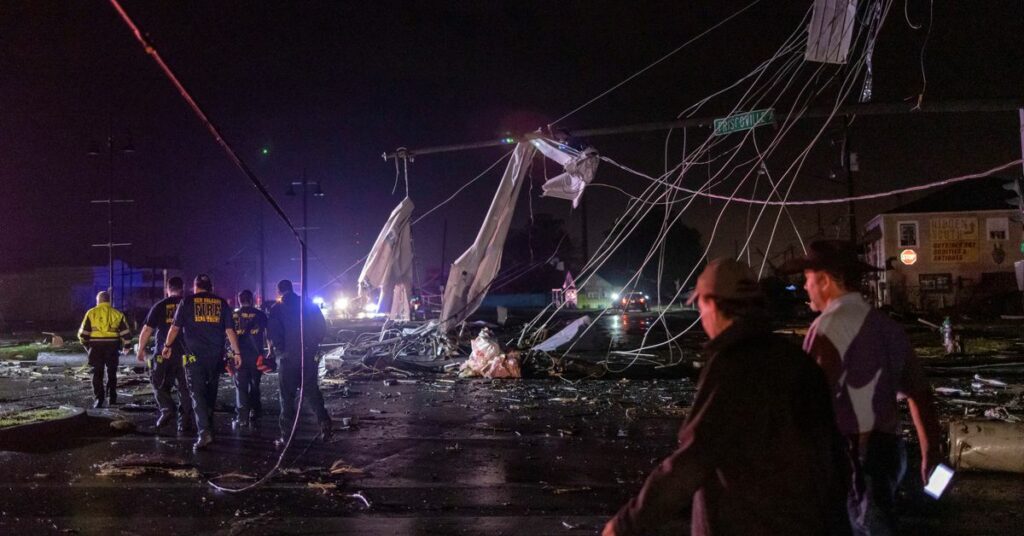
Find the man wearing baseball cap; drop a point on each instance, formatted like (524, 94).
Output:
(204, 320)
(759, 452)
(869, 362)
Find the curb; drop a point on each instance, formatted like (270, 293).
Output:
(33, 434)
(55, 359)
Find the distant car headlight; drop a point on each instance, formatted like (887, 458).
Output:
(341, 303)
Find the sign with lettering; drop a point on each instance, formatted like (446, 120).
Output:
(744, 121)
(954, 240)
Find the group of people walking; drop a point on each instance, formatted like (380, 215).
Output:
(780, 439)
(199, 337)
(790, 440)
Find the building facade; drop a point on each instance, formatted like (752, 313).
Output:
(955, 248)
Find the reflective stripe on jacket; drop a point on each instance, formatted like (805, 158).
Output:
(104, 323)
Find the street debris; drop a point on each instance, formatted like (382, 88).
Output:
(563, 491)
(339, 467)
(563, 337)
(323, 487)
(122, 425)
(489, 361)
(360, 497)
(134, 465)
(984, 445)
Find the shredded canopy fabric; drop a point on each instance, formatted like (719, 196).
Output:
(472, 273)
(579, 171)
(389, 264)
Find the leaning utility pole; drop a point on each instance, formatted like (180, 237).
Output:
(863, 109)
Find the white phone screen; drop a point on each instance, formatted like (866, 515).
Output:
(938, 481)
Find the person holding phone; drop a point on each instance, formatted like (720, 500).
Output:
(759, 452)
(869, 362)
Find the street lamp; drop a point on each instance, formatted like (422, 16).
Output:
(124, 147)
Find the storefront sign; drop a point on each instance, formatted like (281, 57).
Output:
(954, 240)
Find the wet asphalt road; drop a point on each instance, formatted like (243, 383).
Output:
(430, 455)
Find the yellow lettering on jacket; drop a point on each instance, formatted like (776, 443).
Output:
(207, 310)
(169, 310)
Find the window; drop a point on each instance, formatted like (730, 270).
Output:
(908, 234)
(935, 282)
(998, 228)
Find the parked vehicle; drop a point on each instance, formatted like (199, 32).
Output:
(633, 301)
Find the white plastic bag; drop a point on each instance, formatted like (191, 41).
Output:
(488, 360)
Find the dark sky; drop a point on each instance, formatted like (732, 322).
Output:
(329, 86)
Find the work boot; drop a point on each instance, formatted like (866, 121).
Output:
(98, 403)
(204, 441)
(113, 398)
(186, 427)
(326, 431)
(163, 420)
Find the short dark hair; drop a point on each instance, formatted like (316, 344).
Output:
(746, 309)
(245, 297)
(175, 283)
(203, 282)
(284, 285)
(850, 279)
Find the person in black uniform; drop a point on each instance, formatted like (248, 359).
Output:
(166, 373)
(251, 328)
(104, 333)
(287, 344)
(204, 319)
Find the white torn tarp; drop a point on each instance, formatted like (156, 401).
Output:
(473, 272)
(830, 31)
(563, 337)
(579, 170)
(389, 264)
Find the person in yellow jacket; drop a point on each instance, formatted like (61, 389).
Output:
(104, 333)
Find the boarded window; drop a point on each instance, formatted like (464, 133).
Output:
(935, 282)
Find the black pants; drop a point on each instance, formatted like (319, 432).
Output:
(877, 472)
(290, 373)
(104, 355)
(203, 375)
(247, 389)
(167, 374)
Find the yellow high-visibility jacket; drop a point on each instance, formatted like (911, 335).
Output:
(103, 323)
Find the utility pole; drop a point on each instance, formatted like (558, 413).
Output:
(260, 239)
(305, 184)
(849, 166)
(585, 242)
(444, 246)
(125, 148)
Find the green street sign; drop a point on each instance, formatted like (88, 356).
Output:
(744, 121)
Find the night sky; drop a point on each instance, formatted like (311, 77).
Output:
(329, 86)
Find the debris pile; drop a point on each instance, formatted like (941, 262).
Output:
(135, 465)
(489, 361)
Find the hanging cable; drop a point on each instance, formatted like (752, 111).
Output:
(148, 47)
(924, 48)
(656, 62)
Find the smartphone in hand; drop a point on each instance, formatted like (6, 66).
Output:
(938, 481)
